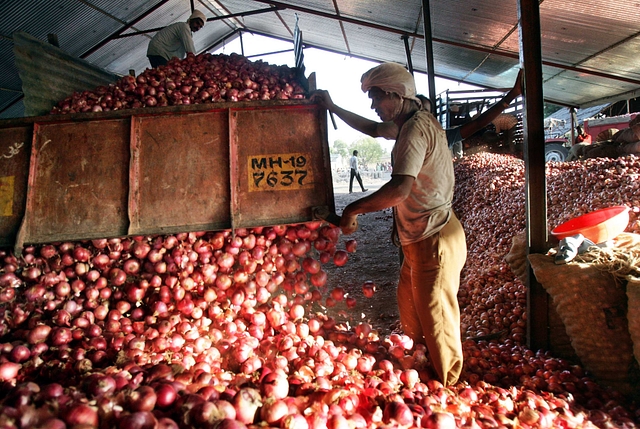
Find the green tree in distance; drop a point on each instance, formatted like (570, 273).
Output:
(369, 150)
(340, 148)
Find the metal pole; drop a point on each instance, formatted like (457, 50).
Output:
(213, 18)
(574, 123)
(407, 52)
(534, 158)
(124, 28)
(428, 45)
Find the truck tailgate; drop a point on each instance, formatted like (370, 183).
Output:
(162, 170)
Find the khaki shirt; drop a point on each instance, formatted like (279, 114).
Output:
(421, 151)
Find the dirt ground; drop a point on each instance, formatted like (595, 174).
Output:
(375, 259)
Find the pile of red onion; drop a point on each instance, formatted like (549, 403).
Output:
(489, 200)
(197, 79)
(232, 329)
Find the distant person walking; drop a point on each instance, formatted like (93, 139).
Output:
(355, 173)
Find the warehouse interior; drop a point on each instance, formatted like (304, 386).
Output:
(176, 262)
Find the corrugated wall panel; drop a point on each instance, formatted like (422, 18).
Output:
(49, 74)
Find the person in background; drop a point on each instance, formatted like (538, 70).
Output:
(421, 192)
(582, 137)
(355, 172)
(175, 40)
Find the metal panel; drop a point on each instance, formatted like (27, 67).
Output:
(49, 74)
(15, 149)
(179, 174)
(286, 171)
(180, 168)
(405, 14)
(78, 181)
(484, 22)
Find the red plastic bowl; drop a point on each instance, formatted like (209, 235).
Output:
(598, 226)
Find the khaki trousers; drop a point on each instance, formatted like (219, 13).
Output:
(427, 297)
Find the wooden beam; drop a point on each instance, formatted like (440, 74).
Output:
(534, 158)
(428, 46)
(402, 32)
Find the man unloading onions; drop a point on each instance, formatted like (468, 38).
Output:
(421, 192)
(174, 40)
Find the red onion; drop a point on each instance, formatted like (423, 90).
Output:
(81, 414)
(9, 371)
(138, 420)
(38, 334)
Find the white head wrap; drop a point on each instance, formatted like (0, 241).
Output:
(390, 77)
(197, 14)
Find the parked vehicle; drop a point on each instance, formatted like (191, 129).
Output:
(595, 126)
(455, 108)
(556, 149)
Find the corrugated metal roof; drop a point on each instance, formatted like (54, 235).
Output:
(589, 47)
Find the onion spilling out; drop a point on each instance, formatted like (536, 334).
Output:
(243, 329)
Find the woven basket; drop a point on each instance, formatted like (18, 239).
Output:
(623, 262)
(633, 314)
(592, 306)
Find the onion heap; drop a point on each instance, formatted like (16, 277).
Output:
(489, 200)
(204, 78)
(239, 329)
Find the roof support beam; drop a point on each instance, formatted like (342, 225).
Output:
(407, 53)
(343, 18)
(123, 29)
(215, 18)
(534, 158)
(428, 45)
(344, 34)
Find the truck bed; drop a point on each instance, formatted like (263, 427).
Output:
(162, 170)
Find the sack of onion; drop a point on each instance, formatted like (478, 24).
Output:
(622, 260)
(633, 316)
(593, 308)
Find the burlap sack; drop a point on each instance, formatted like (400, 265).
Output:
(633, 314)
(517, 256)
(622, 260)
(592, 306)
(504, 122)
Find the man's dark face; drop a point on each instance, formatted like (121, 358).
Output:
(386, 104)
(196, 24)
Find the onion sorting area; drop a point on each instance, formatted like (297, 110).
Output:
(232, 329)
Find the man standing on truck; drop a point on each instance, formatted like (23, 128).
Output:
(174, 40)
(456, 135)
